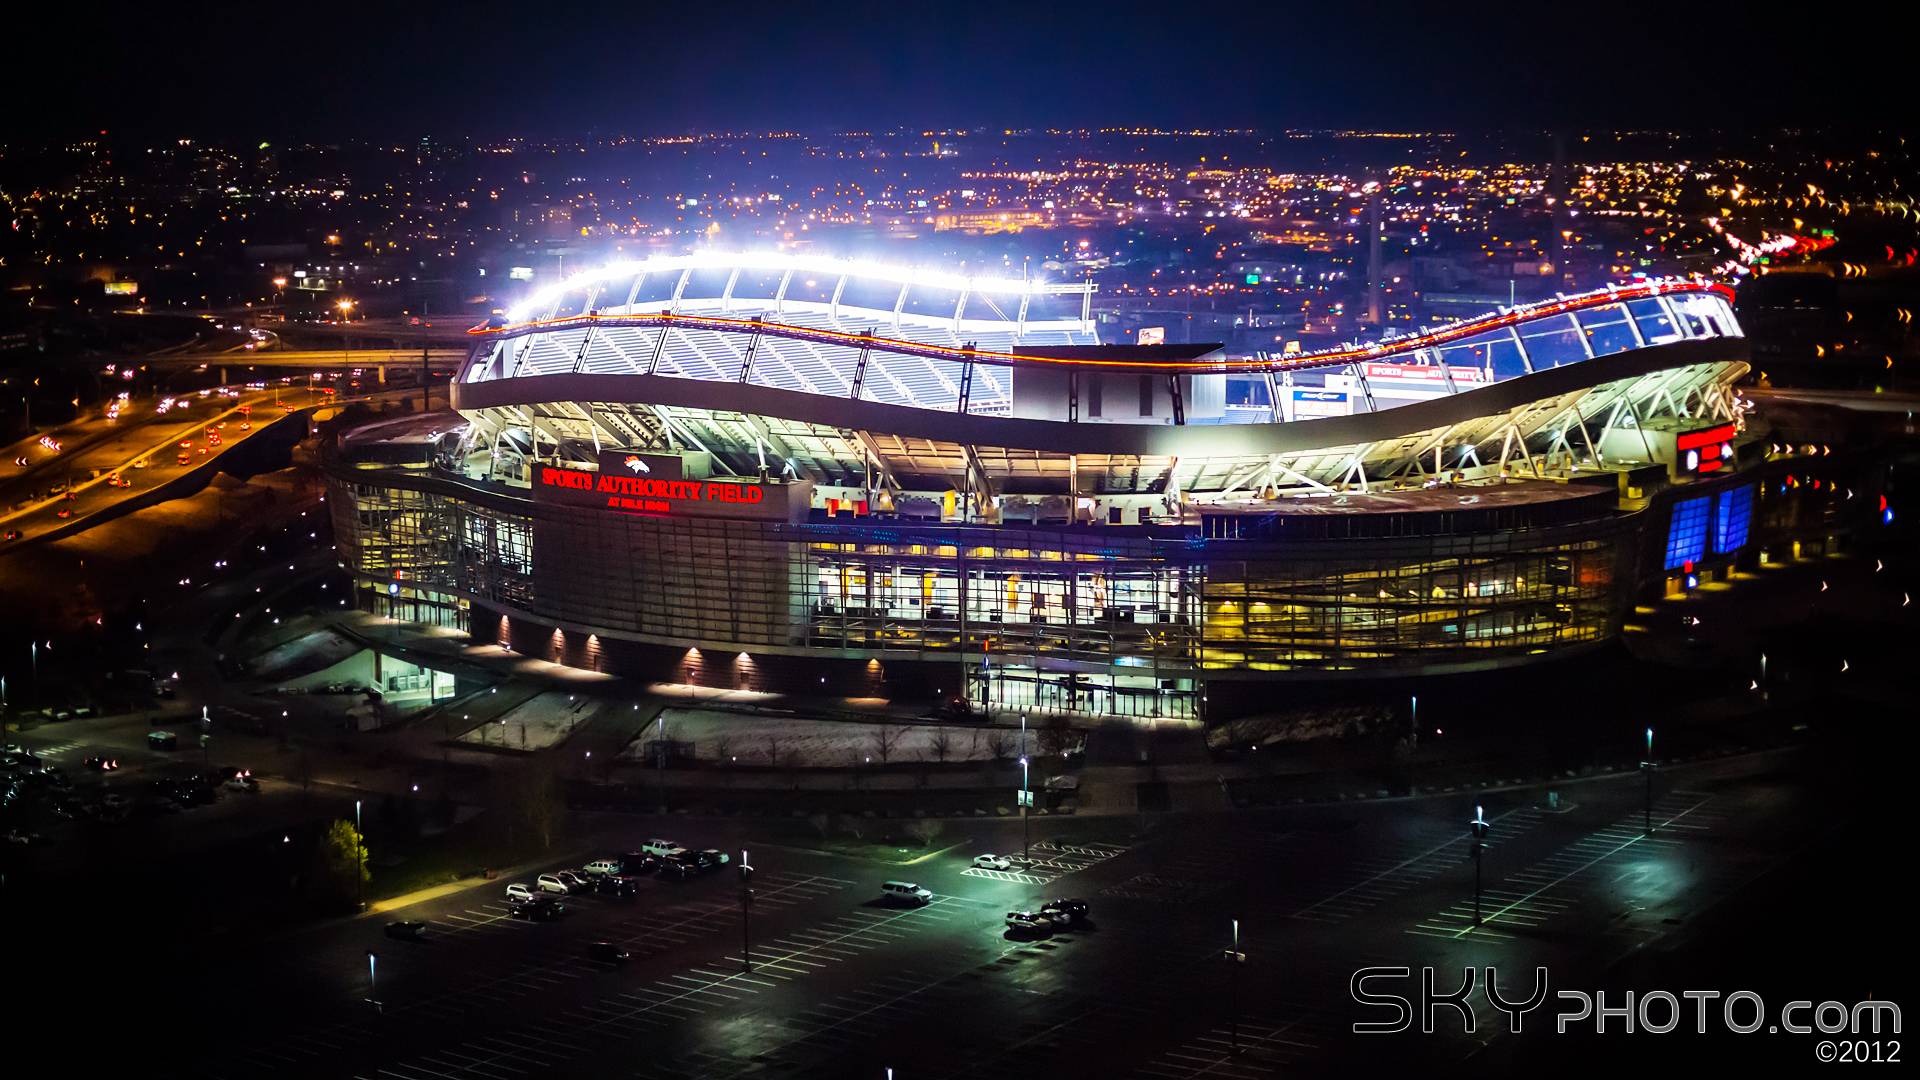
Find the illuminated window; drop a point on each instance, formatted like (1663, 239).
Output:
(1687, 536)
(1733, 511)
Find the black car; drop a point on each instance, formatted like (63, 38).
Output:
(679, 867)
(407, 929)
(638, 862)
(619, 885)
(543, 908)
(1074, 910)
(606, 952)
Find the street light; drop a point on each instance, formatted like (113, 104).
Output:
(1234, 958)
(1479, 826)
(1026, 799)
(359, 871)
(746, 905)
(373, 980)
(1647, 767)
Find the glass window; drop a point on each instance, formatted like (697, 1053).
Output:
(1687, 535)
(1733, 513)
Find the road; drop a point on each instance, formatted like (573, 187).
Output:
(141, 449)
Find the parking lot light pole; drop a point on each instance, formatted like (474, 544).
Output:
(359, 871)
(1647, 767)
(373, 979)
(1026, 801)
(1234, 959)
(746, 907)
(1478, 826)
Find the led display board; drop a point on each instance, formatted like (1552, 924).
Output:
(626, 492)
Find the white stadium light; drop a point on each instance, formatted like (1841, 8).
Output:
(546, 297)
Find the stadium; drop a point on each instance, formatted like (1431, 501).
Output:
(793, 474)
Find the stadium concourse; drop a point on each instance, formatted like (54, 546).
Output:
(775, 472)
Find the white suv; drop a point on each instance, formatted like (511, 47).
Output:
(519, 891)
(905, 892)
(661, 848)
(601, 868)
(548, 883)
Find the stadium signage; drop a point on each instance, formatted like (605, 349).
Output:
(1705, 450)
(1424, 372)
(642, 494)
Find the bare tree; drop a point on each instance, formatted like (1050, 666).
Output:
(1000, 745)
(926, 830)
(941, 743)
(722, 748)
(822, 824)
(773, 751)
(538, 800)
(1056, 736)
(885, 738)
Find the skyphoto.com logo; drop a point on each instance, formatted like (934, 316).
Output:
(1394, 996)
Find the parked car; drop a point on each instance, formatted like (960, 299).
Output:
(1028, 922)
(163, 740)
(543, 908)
(520, 891)
(678, 868)
(638, 862)
(104, 764)
(905, 892)
(575, 881)
(715, 856)
(619, 885)
(243, 782)
(992, 862)
(551, 883)
(661, 848)
(601, 867)
(1074, 910)
(407, 929)
(606, 952)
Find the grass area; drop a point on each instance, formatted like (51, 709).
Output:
(892, 842)
(459, 853)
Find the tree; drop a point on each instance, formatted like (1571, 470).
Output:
(341, 860)
(773, 751)
(1056, 736)
(926, 830)
(1000, 745)
(941, 743)
(722, 748)
(885, 738)
(539, 801)
(822, 824)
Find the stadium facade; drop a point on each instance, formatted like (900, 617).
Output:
(779, 473)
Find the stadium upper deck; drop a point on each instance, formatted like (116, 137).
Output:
(872, 378)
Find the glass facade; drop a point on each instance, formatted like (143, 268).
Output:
(1687, 532)
(1732, 519)
(1129, 620)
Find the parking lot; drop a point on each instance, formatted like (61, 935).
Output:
(826, 978)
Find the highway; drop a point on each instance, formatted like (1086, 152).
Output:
(238, 363)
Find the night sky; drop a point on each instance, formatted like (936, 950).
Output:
(339, 70)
